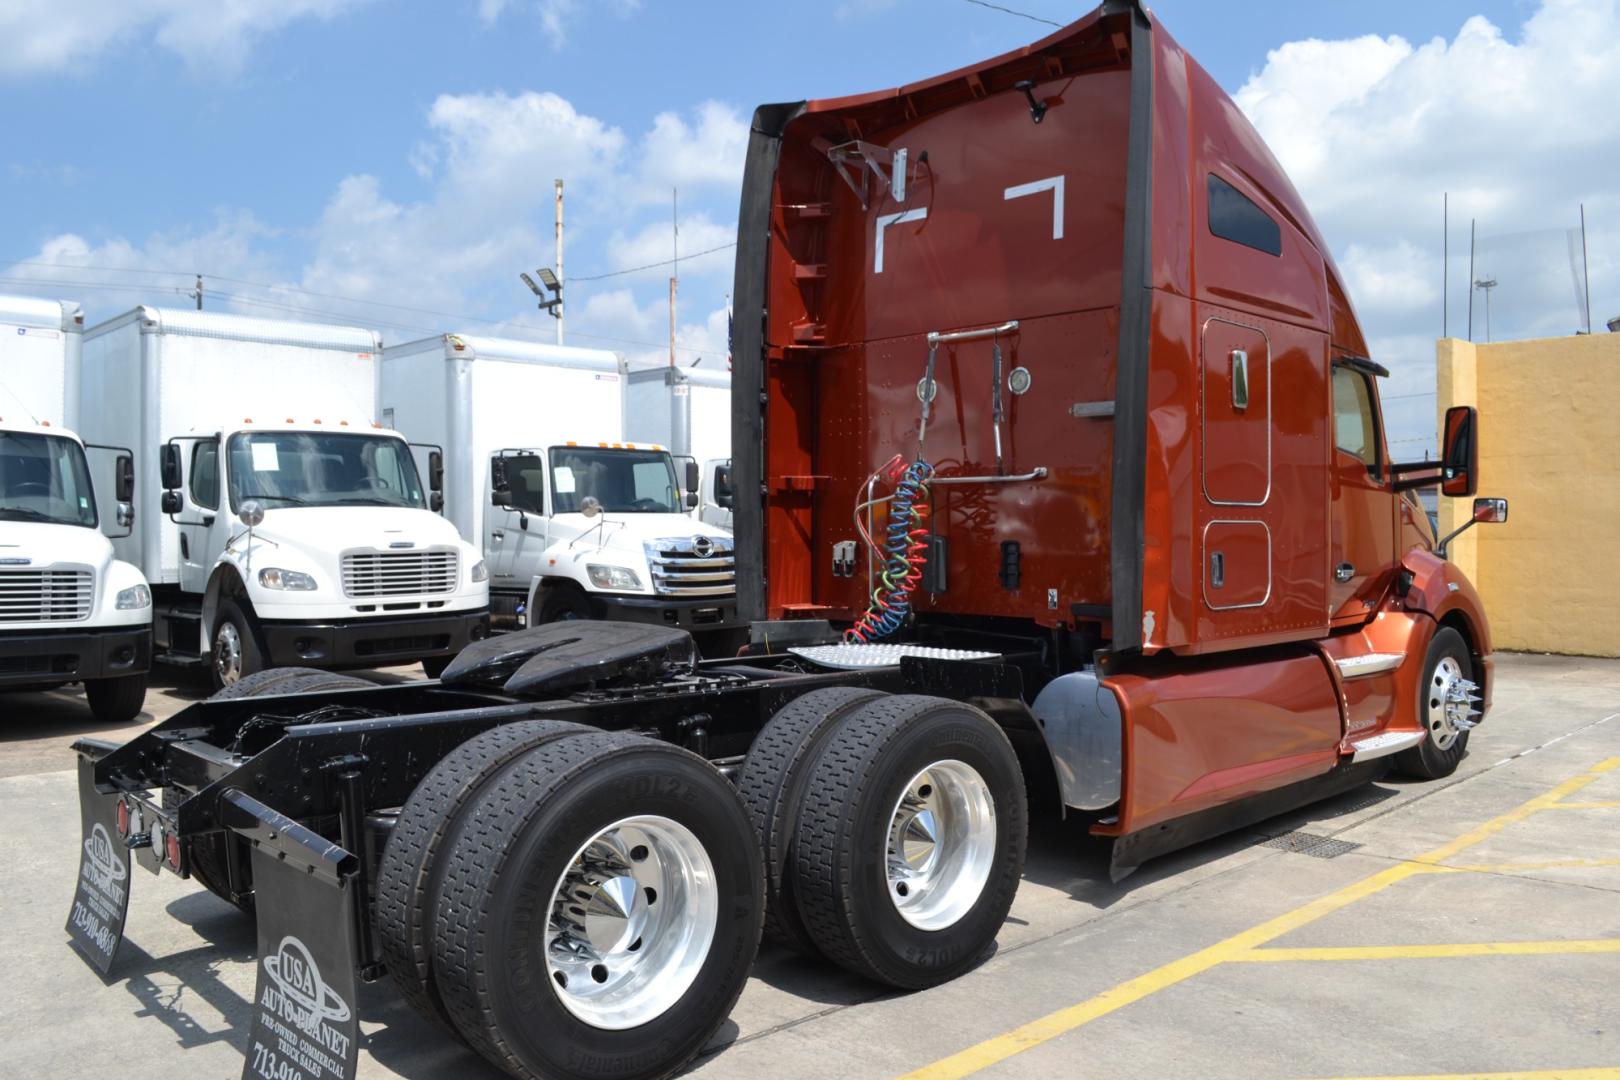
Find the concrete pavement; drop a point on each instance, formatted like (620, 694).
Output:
(1461, 927)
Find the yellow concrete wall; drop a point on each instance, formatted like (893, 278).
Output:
(1549, 420)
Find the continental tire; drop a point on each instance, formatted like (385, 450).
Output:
(599, 910)
(911, 843)
(207, 858)
(1444, 742)
(772, 786)
(408, 876)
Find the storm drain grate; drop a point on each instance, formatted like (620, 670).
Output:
(1317, 847)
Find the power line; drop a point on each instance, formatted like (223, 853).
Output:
(649, 266)
(346, 317)
(1020, 14)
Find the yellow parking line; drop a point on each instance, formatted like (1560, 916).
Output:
(1603, 1073)
(1552, 864)
(1586, 806)
(1050, 1026)
(1431, 952)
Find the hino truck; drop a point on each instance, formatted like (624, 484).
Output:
(70, 612)
(292, 528)
(1060, 469)
(575, 521)
(689, 411)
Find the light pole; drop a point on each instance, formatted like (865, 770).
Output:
(1486, 284)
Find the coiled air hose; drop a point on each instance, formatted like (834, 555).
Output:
(904, 551)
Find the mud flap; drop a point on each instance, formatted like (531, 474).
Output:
(306, 1023)
(100, 902)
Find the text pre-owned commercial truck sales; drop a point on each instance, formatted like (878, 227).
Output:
(69, 610)
(575, 521)
(1061, 485)
(280, 524)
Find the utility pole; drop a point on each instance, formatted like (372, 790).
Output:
(1586, 277)
(1487, 284)
(559, 311)
(1471, 227)
(197, 293)
(675, 264)
(1445, 264)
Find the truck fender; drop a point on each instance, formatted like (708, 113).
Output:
(1437, 588)
(223, 584)
(1440, 589)
(1080, 721)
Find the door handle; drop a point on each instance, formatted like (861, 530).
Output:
(498, 535)
(1343, 572)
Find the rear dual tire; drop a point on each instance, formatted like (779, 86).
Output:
(908, 829)
(595, 902)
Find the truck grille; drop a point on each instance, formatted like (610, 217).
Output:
(693, 566)
(45, 595)
(399, 573)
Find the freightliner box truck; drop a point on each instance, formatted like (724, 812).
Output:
(280, 523)
(1051, 349)
(688, 410)
(70, 612)
(576, 522)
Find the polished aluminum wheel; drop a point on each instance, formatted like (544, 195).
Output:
(227, 653)
(942, 842)
(632, 919)
(1451, 700)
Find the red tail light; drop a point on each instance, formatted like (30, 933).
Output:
(123, 818)
(171, 849)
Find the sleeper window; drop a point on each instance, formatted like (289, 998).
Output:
(1234, 216)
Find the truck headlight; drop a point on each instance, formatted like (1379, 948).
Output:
(480, 572)
(136, 596)
(273, 577)
(612, 577)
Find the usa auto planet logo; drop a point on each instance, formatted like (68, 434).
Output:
(302, 998)
(101, 862)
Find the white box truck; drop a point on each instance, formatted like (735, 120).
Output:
(70, 611)
(294, 530)
(576, 522)
(689, 411)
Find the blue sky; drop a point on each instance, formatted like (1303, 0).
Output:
(402, 153)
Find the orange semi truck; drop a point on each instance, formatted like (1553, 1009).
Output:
(1065, 475)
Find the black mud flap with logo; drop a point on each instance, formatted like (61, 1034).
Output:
(305, 1018)
(101, 900)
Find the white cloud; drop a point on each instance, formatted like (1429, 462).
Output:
(556, 17)
(45, 37)
(1520, 129)
(709, 152)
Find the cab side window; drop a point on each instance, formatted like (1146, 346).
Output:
(205, 474)
(526, 477)
(1355, 427)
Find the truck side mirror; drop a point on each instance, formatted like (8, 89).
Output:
(171, 502)
(690, 500)
(1459, 461)
(692, 476)
(169, 469)
(436, 473)
(1486, 512)
(725, 494)
(436, 501)
(500, 490)
(124, 484)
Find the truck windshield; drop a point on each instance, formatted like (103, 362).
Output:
(44, 478)
(301, 468)
(623, 481)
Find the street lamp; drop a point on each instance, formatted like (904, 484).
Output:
(1487, 284)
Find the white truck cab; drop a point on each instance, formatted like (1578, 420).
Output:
(716, 493)
(69, 610)
(505, 410)
(293, 530)
(315, 545)
(602, 532)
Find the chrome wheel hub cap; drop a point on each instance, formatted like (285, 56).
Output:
(631, 922)
(942, 842)
(1450, 703)
(228, 654)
